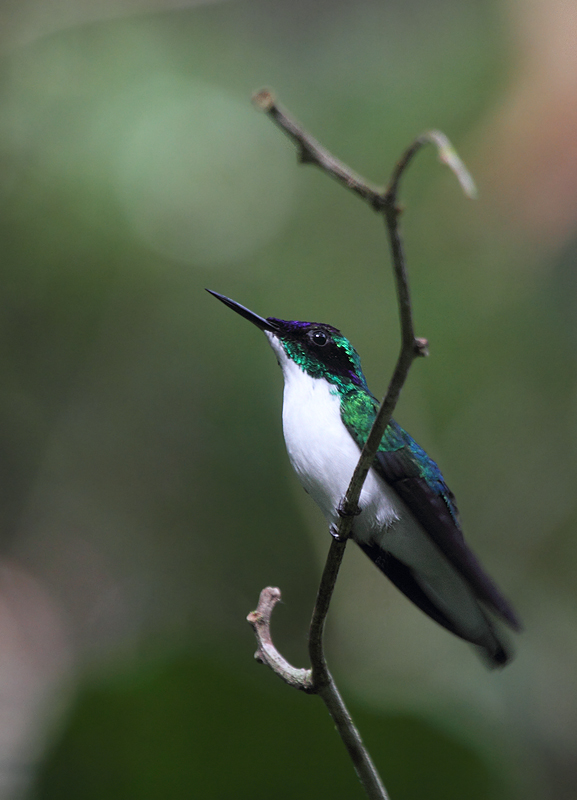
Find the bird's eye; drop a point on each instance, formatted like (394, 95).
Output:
(318, 337)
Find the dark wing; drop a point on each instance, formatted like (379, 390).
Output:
(419, 483)
(402, 576)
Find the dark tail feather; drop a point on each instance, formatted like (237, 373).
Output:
(496, 655)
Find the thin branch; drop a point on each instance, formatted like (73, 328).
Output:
(349, 733)
(267, 652)
(447, 155)
(323, 683)
(327, 691)
(311, 152)
(318, 680)
(335, 555)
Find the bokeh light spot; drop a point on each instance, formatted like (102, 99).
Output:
(203, 178)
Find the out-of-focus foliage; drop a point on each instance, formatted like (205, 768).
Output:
(145, 494)
(207, 728)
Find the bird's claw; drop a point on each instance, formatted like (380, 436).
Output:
(343, 512)
(334, 531)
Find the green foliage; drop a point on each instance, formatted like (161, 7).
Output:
(205, 727)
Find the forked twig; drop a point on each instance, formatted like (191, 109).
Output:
(318, 679)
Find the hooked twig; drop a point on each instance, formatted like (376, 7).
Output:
(267, 652)
(318, 679)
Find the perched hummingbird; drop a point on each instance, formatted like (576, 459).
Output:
(408, 525)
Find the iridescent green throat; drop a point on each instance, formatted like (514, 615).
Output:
(340, 364)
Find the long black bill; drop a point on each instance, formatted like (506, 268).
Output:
(260, 322)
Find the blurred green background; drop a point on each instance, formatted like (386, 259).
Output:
(145, 493)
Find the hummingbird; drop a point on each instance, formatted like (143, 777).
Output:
(408, 523)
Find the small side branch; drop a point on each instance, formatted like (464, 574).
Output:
(311, 152)
(326, 689)
(267, 652)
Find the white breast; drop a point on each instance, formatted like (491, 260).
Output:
(323, 453)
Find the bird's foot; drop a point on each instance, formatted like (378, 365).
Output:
(334, 531)
(344, 512)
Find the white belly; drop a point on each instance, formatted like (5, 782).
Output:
(324, 455)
